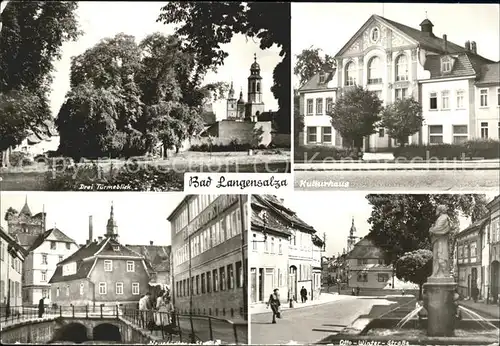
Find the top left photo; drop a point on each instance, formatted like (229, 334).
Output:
(102, 96)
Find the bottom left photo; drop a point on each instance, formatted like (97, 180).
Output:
(123, 267)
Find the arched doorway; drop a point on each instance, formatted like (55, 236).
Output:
(107, 332)
(75, 332)
(495, 280)
(292, 282)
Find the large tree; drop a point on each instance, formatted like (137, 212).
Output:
(309, 62)
(206, 26)
(355, 115)
(298, 124)
(402, 119)
(416, 267)
(31, 37)
(400, 223)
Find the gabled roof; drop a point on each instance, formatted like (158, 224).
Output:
(162, 266)
(465, 64)
(489, 74)
(12, 242)
(271, 225)
(26, 209)
(56, 233)
(365, 248)
(26, 240)
(153, 253)
(314, 84)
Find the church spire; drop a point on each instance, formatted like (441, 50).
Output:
(231, 92)
(26, 209)
(111, 228)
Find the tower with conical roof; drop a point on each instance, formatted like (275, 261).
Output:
(351, 240)
(26, 209)
(231, 110)
(112, 227)
(255, 103)
(25, 226)
(241, 106)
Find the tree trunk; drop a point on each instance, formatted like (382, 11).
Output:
(165, 152)
(420, 289)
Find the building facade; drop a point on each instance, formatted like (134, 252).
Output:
(454, 84)
(102, 272)
(209, 255)
(24, 226)
(12, 256)
(493, 270)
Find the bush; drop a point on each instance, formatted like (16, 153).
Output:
(20, 159)
(322, 153)
(232, 146)
(476, 149)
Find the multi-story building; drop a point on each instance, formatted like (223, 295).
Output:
(468, 243)
(494, 251)
(485, 260)
(12, 256)
(269, 246)
(209, 254)
(102, 272)
(454, 84)
(48, 249)
(158, 257)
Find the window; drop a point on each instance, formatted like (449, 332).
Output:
(108, 265)
(362, 261)
(44, 258)
(44, 276)
(381, 132)
(230, 277)
(239, 274)
(446, 64)
(460, 99)
(197, 284)
(216, 280)
(52, 245)
(57, 292)
(473, 250)
(401, 93)
(319, 106)
(326, 134)
(329, 104)
(280, 247)
(203, 283)
(401, 68)
(130, 266)
(483, 95)
(322, 77)
(350, 71)
(362, 277)
(82, 286)
(375, 34)
(102, 287)
(433, 101)
(435, 134)
(382, 277)
(254, 243)
(266, 245)
(68, 246)
(374, 71)
(310, 107)
(445, 99)
(460, 134)
(209, 282)
(484, 130)
(135, 288)
(311, 134)
(119, 288)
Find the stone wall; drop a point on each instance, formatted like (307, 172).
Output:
(226, 131)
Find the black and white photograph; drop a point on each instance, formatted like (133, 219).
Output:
(349, 268)
(106, 96)
(396, 96)
(94, 268)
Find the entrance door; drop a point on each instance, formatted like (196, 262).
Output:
(269, 282)
(253, 285)
(474, 281)
(261, 285)
(468, 286)
(292, 282)
(495, 277)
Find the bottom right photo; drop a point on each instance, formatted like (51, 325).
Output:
(350, 268)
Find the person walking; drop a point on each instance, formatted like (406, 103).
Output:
(41, 307)
(274, 302)
(303, 294)
(144, 306)
(357, 290)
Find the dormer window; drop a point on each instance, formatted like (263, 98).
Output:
(446, 64)
(322, 78)
(116, 248)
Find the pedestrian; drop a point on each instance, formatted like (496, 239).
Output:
(303, 294)
(474, 293)
(353, 292)
(144, 307)
(160, 300)
(41, 307)
(357, 290)
(274, 302)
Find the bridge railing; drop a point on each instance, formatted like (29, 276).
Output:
(188, 327)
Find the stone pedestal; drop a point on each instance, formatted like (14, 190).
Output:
(438, 301)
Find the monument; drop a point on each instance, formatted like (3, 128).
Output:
(440, 287)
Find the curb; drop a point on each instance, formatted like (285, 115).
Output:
(294, 308)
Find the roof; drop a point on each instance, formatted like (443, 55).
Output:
(271, 225)
(286, 213)
(56, 233)
(492, 202)
(26, 209)
(314, 84)
(12, 242)
(465, 64)
(489, 74)
(365, 248)
(163, 266)
(174, 212)
(473, 226)
(26, 240)
(153, 253)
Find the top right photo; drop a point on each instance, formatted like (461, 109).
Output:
(396, 96)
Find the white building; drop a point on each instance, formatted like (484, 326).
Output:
(396, 61)
(39, 141)
(50, 248)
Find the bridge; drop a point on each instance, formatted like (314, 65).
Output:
(114, 324)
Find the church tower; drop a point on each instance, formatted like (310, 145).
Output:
(241, 106)
(255, 105)
(351, 240)
(231, 111)
(112, 227)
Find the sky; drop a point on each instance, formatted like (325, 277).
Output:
(100, 20)
(141, 217)
(332, 214)
(330, 25)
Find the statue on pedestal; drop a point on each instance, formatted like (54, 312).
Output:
(439, 238)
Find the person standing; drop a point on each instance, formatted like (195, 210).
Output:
(144, 305)
(41, 307)
(357, 290)
(303, 294)
(274, 302)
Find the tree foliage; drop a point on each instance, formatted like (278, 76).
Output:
(309, 62)
(298, 118)
(401, 223)
(402, 119)
(9, 213)
(30, 41)
(355, 114)
(415, 266)
(205, 26)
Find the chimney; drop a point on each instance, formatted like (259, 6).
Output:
(473, 47)
(426, 26)
(151, 242)
(91, 230)
(467, 45)
(99, 239)
(445, 38)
